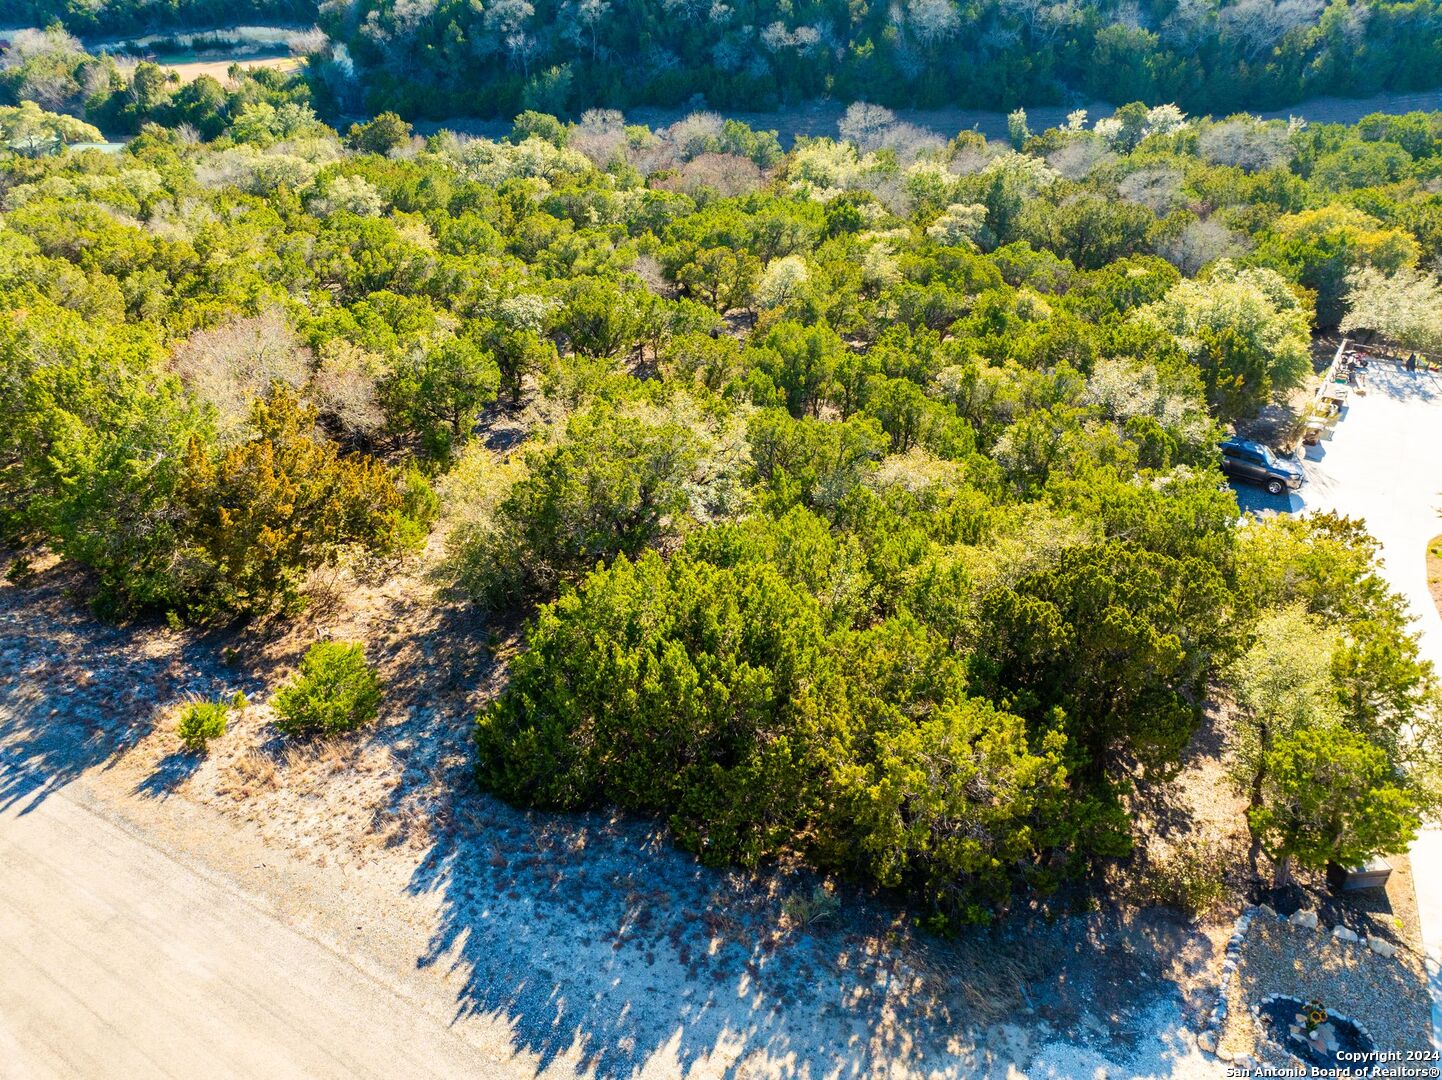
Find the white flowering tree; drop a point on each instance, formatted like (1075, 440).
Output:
(1405, 307)
(865, 125)
(959, 224)
(30, 130)
(781, 282)
(352, 194)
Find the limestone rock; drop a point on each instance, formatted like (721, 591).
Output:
(1207, 1040)
(1342, 933)
(1381, 946)
(1305, 919)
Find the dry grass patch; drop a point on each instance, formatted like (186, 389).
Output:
(1190, 829)
(255, 773)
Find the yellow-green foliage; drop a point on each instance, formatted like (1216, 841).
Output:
(266, 510)
(334, 691)
(876, 492)
(1190, 878)
(201, 722)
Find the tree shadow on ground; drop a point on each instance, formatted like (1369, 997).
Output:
(77, 694)
(1166, 802)
(1374, 912)
(169, 775)
(51, 732)
(1397, 382)
(605, 950)
(599, 945)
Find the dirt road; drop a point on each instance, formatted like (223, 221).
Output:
(119, 961)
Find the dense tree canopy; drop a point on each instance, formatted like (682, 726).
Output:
(861, 502)
(446, 56)
(442, 58)
(111, 17)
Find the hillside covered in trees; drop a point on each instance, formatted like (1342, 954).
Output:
(859, 503)
(444, 58)
(113, 18)
(440, 57)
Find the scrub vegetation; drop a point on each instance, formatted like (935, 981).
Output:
(859, 503)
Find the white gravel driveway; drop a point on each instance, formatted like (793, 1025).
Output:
(1383, 464)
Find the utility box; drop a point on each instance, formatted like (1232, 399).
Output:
(1373, 875)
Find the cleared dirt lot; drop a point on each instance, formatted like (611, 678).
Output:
(219, 70)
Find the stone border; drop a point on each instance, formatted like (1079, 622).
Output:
(1257, 1015)
(1208, 1039)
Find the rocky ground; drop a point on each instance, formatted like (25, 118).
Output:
(585, 942)
(1386, 994)
(588, 938)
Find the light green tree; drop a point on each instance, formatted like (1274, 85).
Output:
(1319, 248)
(781, 282)
(29, 130)
(1330, 796)
(1281, 684)
(1017, 131)
(1246, 331)
(439, 389)
(959, 223)
(1405, 307)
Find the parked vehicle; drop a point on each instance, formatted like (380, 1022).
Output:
(1243, 459)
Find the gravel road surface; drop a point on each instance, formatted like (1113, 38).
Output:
(118, 961)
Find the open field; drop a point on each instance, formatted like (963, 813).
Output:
(190, 70)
